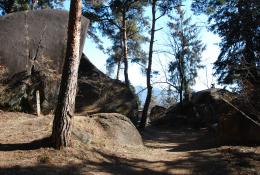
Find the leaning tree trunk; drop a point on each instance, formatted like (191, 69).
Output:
(66, 101)
(149, 68)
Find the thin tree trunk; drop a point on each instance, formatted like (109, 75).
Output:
(118, 69)
(125, 49)
(64, 112)
(181, 85)
(149, 68)
(119, 62)
(180, 93)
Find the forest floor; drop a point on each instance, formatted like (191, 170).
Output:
(166, 151)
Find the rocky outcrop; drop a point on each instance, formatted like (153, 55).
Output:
(234, 128)
(35, 40)
(240, 124)
(157, 113)
(233, 119)
(98, 93)
(32, 55)
(39, 39)
(106, 128)
(203, 108)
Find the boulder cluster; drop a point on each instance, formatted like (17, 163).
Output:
(226, 114)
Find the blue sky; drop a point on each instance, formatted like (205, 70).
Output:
(205, 77)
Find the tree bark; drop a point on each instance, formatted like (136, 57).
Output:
(149, 68)
(180, 67)
(64, 112)
(125, 49)
(118, 69)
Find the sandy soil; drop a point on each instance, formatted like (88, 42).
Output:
(166, 151)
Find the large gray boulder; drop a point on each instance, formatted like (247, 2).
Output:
(35, 40)
(157, 113)
(107, 128)
(203, 109)
(32, 59)
(32, 56)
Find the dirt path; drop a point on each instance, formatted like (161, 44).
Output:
(183, 151)
(166, 151)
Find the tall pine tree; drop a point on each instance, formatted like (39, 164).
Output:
(186, 49)
(122, 22)
(159, 8)
(237, 23)
(62, 123)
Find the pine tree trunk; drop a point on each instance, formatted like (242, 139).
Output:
(66, 101)
(125, 49)
(182, 75)
(180, 93)
(118, 70)
(149, 68)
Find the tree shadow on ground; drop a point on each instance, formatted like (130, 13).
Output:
(195, 163)
(42, 170)
(180, 139)
(36, 144)
(199, 142)
(198, 160)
